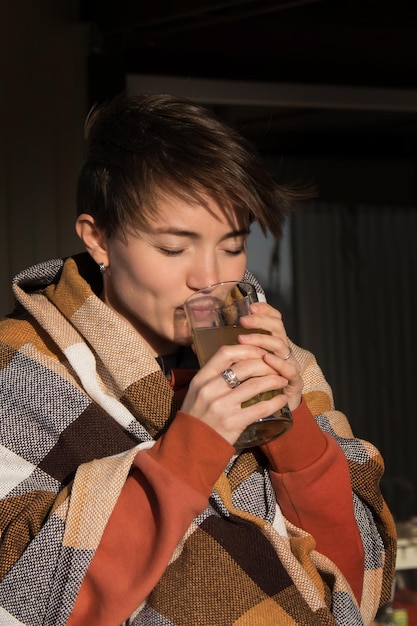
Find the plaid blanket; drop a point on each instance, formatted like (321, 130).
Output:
(80, 394)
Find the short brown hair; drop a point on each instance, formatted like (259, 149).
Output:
(138, 147)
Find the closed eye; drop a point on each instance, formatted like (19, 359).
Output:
(235, 252)
(168, 252)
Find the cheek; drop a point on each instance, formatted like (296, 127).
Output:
(151, 291)
(235, 270)
(127, 287)
(130, 271)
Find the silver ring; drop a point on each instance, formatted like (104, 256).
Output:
(230, 377)
(289, 355)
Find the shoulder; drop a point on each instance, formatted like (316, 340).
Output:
(311, 373)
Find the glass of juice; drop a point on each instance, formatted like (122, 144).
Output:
(213, 314)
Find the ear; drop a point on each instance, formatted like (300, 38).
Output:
(93, 239)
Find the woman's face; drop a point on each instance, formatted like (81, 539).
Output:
(152, 272)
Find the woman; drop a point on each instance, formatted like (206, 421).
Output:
(124, 499)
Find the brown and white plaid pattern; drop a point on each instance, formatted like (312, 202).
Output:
(80, 394)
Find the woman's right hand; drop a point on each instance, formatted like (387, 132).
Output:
(213, 401)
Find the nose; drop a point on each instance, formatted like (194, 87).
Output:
(203, 272)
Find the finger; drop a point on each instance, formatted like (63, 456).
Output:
(290, 369)
(250, 368)
(265, 317)
(270, 343)
(263, 308)
(269, 320)
(286, 367)
(257, 386)
(288, 355)
(226, 355)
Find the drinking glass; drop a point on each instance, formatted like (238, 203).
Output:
(213, 314)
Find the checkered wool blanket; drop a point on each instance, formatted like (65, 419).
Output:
(80, 394)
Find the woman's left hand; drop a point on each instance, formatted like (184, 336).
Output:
(265, 317)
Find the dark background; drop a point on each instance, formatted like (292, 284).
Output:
(360, 43)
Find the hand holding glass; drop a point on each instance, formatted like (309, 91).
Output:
(214, 316)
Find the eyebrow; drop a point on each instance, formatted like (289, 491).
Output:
(179, 232)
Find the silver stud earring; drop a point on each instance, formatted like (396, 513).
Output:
(102, 268)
